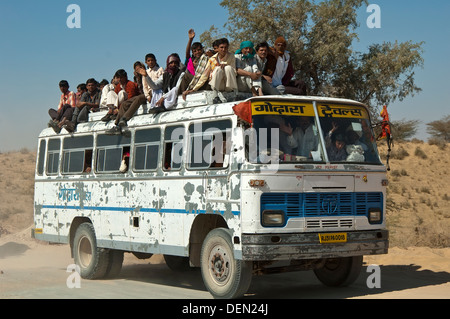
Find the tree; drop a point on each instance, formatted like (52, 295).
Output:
(320, 35)
(404, 129)
(440, 129)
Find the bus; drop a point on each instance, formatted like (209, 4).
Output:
(263, 185)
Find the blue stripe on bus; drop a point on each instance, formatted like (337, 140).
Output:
(127, 209)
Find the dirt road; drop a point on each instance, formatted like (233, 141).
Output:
(30, 269)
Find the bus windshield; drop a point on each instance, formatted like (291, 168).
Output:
(293, 133)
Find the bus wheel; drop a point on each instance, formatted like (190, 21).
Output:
(115, 263)
(340, 272)
(92, 260)
(223, 275)
(177, 263)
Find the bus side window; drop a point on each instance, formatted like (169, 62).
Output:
(87, 161)
(53, 156)
(209, 144)
(221, 151)
(173, 147)
(110, 152)
(41, 158)
(146, 149)
(77, 154)
(173, 154)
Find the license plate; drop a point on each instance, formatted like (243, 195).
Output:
(333, 238)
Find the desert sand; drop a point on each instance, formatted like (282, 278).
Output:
(418, 216)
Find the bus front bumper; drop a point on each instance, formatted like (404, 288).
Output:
(308, 245)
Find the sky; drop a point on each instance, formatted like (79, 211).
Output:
(38, 49)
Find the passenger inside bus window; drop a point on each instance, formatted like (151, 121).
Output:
(125, 160)
(270, 122)
(87, 161)
(302, 135)
(298, 137)
(173, 155)
(222, 146)
(350, 140)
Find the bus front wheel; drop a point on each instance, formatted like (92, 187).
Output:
(339, 272)
(223, 275)
(92, 260)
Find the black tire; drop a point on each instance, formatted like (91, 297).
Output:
(223, 275)
(92, 260)
(340, 272)
(177, 263)
(115, 263)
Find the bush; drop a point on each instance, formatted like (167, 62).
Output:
(420, 153)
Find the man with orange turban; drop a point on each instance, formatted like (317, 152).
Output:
(284, 70)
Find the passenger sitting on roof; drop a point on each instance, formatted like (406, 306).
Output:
(102, 84)
(129, 107)
(111, 100)
(81, 88)
(220, 72)
(154, 71)
(126, 85)
(89, 101)
(123, 89)
(195, 48)
(190, 79)
(266, 63)
(284, 71)
(168, 84)
(64, 112)
(248, 73)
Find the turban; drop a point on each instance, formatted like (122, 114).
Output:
(247, 44)
(280, 40)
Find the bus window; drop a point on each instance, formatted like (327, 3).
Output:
(146, 150)
(293, 138)
(347, 133)
(41, 158)
(76, 151)
(200, 155)
(173, 147)
(110, 152)
(53, 156)
(87, 161)
(208, 144)
(221, 151)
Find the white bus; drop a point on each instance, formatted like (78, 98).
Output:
(237, 189)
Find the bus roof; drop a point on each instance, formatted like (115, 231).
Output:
(197, 106)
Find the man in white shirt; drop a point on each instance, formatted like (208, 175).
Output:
(248, 73)
(303, 137)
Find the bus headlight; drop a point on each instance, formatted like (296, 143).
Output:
(374, 215)
(273, 218)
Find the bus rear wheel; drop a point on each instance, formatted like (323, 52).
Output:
(340, 272)
(224, 276)
(92, 260)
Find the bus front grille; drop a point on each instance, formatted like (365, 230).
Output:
(322, 204)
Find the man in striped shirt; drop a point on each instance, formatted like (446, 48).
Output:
(220, 71)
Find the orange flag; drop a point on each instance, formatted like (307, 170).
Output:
(385, 127)
(244, 111)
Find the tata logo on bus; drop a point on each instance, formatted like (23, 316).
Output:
(330, 204)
